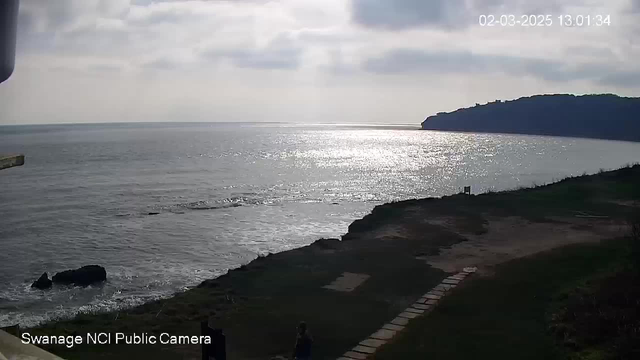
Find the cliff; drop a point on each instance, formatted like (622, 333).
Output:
(589, 116)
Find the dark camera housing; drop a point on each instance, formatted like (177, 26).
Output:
(8, 28)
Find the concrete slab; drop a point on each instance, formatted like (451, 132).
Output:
(442, 288)
(432, 297)
(374, 343)
(420, 306)
(355, 355)
(384, 334)
(347, 282)
(450, 281)
(413, 310)
(392, 327)
(470, 270)
(436, 292)
(431, 302)
(400, 321)
(422, 300)
(13, 348)
(408, 315)
(364, 349)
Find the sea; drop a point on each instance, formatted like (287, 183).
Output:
(164, 206)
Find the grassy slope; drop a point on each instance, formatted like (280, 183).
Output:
(505, 316)
(260, 304)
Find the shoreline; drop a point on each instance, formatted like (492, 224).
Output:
(421, 240)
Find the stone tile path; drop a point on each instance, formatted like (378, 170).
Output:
(421, 307)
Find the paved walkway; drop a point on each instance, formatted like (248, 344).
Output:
(426, 303)
(12, 348)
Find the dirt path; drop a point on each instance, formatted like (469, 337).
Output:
(514, 237)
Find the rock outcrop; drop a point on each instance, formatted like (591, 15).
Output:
(83, 276)
(589, 116)
(43, 282)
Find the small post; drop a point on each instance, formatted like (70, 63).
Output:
(467, 190)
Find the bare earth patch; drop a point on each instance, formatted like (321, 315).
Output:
(514, 237)
(347, 282)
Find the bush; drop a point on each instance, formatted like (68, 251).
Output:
(601, 318)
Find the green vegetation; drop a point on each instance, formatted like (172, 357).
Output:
(507, 315)
(599, 320)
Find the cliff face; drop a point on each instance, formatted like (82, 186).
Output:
(590, 116)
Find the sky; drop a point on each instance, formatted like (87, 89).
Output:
(315, 61)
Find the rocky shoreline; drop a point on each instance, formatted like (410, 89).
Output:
(84, 276)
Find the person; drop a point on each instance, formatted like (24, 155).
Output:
(302, 350)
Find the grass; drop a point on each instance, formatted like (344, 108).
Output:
(599, 319)
(505, 316)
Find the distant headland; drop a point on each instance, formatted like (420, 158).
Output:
(603, 116)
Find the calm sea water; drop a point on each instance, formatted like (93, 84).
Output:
(225, 193)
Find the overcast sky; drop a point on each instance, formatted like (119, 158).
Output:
(321, 61)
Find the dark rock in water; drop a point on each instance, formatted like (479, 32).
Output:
(42, 283)
(153, 213)
(83, 276)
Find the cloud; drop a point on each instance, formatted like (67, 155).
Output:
(398, 15)
(174, 12)
(164, 63)
(588, 51)
(624, 79)
(465, 62)
(279, 58)
(55, 15)
(405, 14)
(105, 68)
(332, 57)
(282, 52)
